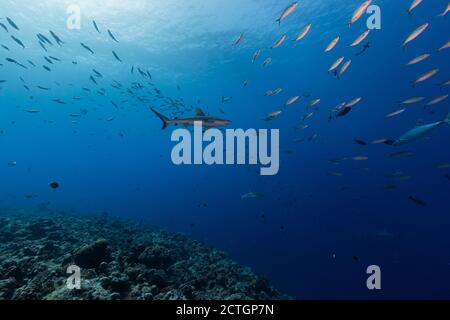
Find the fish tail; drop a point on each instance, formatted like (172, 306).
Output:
(164, 119)
(447, 119)
(279, 22)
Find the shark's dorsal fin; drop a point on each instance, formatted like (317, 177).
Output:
(199, 112)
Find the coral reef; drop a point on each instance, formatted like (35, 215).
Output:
(119, 259)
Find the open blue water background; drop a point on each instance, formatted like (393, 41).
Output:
(307, 231)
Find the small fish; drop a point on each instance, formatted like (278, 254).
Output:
(379, 141)
(256, 55)
(34, 111)
(417, 201)
(447, 9)
(59, 101)
(360, 39)
(314, 102)
(15, 62)
(47, 68)
(87, 48)
(395, 113)
(336, 64)
(18, 41)
(415, 34)
(303, 33)
(112, 36)
(54, 58)
(93, 80)
(4, 27)
(444, 84)
(97, 74)
(12, 164)
(359, 12)
(425, 76)
(286, 12)
(364, 49)
(344, 68)
(292, 100)
(445, 46)
(115, 105)
(273, 115)
(279, 42)
(332, 44)
(411, 101)
(53, 185)
(360, 142)
(353, 102)
(414, 5)
(252, 195)
(226, 99)
(239, 40)
(443, 166)
(116, 56)
(401, 154)
(12, 23)
(360, 158)
(57, 39)
(43, 46)
(437, 100)
(267, 62)
(44, 39)
(418, 59)
(95, 26)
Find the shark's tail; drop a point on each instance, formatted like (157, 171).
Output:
(164, 119)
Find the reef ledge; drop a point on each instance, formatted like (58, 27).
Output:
(119, 260)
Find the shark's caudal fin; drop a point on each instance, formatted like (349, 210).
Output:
(164, 119)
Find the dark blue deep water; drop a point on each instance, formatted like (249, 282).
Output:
(319, 224)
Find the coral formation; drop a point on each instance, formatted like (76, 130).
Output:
(119, 259)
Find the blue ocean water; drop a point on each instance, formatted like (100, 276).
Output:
(313, 233)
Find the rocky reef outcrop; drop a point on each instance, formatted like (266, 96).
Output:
(118, 259)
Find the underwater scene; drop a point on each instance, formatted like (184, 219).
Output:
(224, 149)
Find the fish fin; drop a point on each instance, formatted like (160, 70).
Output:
(164, 119)
(199, 112)
(279, 22)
